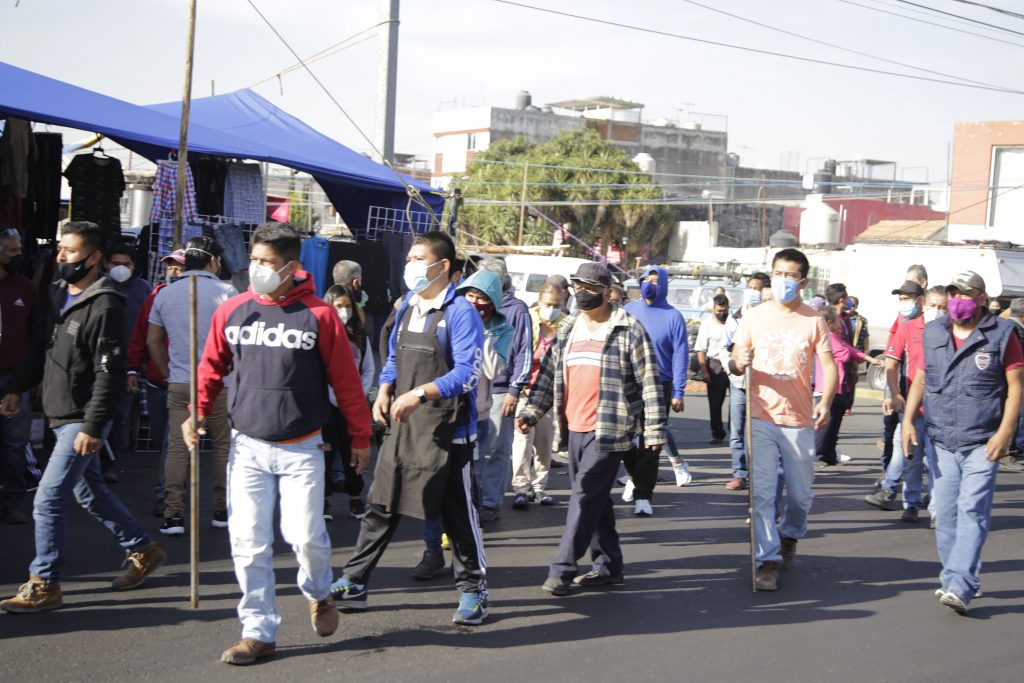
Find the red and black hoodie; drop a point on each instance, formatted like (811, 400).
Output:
(284, 353)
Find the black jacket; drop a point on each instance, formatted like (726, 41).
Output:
(84, 377)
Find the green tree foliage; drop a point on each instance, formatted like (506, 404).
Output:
(553, 176)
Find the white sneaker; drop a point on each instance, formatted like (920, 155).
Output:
(843, 457)
(623, 480)
(683, 476)
(627, 493)
(643, 508)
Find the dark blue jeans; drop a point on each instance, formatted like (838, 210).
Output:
(68, 472)
(15, 433)
(590, 521)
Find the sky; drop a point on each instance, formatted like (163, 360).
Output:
(779, 113)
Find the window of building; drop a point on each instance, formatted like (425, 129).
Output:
(471, 141)
(1006, 193)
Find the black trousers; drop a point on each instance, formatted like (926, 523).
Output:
(460, 521)
(642, 465)
(717, 389)
(825, 439)
(336, 434)
(889, 424)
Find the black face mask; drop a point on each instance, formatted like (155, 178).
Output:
(588, 301)
(722, 316)
(74, 272)
(16, 264)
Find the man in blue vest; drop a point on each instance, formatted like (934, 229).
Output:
(971, 388)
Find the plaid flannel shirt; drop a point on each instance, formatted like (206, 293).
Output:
(630, 400)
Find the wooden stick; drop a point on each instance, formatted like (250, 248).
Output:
(186, 105)
(750, 484)
(193, 461)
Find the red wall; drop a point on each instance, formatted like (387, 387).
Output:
(861, 214)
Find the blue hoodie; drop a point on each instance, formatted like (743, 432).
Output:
(497, 327)
(520, 358)
(667, 329)
(462, 336)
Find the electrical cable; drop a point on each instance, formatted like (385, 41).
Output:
(1000, 10)
(930, 23)
(837, 47)
(959, 16)
(323, 54)
(413, 192)
(754, 50)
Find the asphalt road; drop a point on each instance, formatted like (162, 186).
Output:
(856, 605)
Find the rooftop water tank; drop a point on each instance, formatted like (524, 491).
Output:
(645, 161)
(523, 99)
(781, 239)
(819, 223)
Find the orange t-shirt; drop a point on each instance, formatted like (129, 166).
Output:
(785, 344)
(583, 375)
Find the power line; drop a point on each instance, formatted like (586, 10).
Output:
(1007, 12)
(322, 54)
(930, 23)
(744, 48)
(959, 16)
(833, 45)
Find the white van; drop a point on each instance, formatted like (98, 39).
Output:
(528, 273)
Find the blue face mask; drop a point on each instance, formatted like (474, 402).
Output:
(784, 289)
(908, 309)
(648, 290)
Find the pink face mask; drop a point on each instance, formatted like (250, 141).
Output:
(962, 309)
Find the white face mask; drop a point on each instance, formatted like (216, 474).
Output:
(930, 314)
(548, 313)
(120, 273)
(751, 297)
(345, 314)
(265, 279)
(416, 275)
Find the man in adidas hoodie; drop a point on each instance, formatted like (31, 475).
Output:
(667, 329)
(285, 345)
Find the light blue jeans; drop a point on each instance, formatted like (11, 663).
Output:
(737, 430)
(795, 447)
(495, 464)
(911, 471)
(965, 483)
(257, 471)
(68, 472)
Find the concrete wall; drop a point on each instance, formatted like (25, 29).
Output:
(739, 225)
(779, 184)
(535, 126)
(973, 143)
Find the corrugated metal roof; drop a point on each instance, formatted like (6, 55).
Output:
(901, 231)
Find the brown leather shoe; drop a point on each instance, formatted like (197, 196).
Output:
(247, 651)
(788, 550)
(324, 615)
(38, 595)
(140, 564)
(767, 577)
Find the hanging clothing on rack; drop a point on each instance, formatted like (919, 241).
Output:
(314, 257)
(97, 184)
(209, 175)
(244, 197)
(231, 238)
(15, 152)
(44, 187)
(164, 193)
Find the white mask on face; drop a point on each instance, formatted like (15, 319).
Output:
(751, 297)
(265, 279)
(345, 314)
(120, 273)
(930, 314)
(548, 313)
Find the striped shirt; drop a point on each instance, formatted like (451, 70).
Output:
(583, 375)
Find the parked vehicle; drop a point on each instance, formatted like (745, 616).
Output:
(529, 272)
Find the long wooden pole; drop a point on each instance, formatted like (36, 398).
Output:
(750, 484)
(522, 202)
(186, 106)
(193, 459)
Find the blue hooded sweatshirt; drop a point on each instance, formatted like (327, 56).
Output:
(667, 329)
(520, 355)
(490, 284)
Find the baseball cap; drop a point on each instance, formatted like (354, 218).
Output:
(178, 256)
(593, 274)
(967, 282)
(909, 288)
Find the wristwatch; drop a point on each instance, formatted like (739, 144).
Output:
(420, 394)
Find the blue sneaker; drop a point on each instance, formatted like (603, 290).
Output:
(348, 594)
(472, 609)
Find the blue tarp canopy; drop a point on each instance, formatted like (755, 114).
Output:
(239, 125)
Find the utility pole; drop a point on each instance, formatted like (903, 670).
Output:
(387, 81)
(522, 202)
